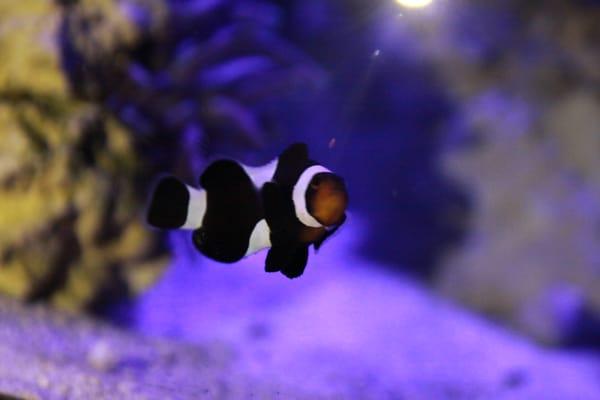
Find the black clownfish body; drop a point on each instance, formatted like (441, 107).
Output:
(240, 210)
(225, 214)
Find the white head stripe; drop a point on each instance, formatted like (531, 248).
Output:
(299, 195)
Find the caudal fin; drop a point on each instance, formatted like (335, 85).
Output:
(169, 204)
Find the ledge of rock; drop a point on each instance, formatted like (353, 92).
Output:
(347, 329)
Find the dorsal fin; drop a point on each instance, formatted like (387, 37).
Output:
(292, 162)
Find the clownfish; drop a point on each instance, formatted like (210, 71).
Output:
(285, 206)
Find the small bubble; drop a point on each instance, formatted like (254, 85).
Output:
(332, 143)
(43, 382)
(102, 356)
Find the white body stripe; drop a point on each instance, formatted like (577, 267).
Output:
(299, 196)
(261, 234)
(260, 238)
(263, 174)
(196, 208)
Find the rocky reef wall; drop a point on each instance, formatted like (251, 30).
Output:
(96, 98)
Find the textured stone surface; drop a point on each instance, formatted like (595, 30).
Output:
(69, 223)
(346, 330)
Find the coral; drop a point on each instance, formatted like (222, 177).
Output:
(187, 77)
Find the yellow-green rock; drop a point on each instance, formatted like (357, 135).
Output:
(70, 226)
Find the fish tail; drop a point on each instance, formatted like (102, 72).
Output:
(174, 205)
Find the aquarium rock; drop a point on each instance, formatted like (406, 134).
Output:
(96, 97)
(526, 142)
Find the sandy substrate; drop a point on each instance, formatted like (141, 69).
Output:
(346, 330)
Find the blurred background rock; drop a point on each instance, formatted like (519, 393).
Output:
(526, 136)
(469, 134)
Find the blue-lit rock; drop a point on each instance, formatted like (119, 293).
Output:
(527, 118)
(347, 330)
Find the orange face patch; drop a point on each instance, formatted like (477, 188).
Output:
(328, 204)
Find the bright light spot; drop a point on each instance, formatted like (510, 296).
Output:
(414, 3)
(377, 53)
